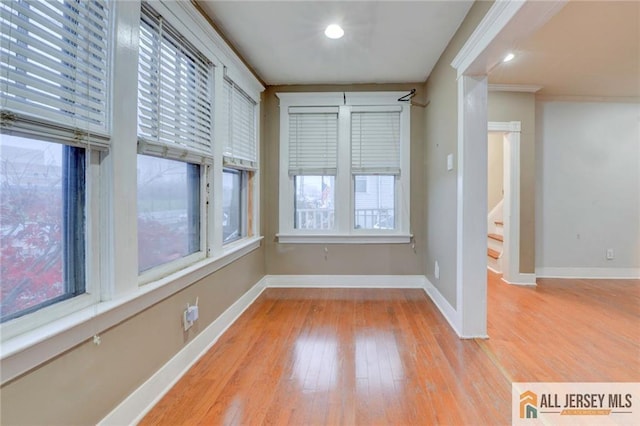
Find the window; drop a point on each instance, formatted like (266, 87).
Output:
(240, 162)
(375, 158)
(174, 138)
(53, 82)
(344, 167)
(42, 227)
(313, 144)
(233, 205)
(375, 209)
(168, 210)
(314, 200)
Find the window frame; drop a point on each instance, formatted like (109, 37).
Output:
(159, 271)
(185, 151)
(35, 123)
(344, 230)
(92, 244)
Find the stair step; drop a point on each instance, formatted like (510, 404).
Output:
(493, 253)
(496, 237)
(499, 223)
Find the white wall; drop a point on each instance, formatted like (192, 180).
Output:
(588, 189)
(495, 166)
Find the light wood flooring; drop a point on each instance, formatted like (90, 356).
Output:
(380, 356)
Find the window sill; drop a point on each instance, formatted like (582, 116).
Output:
(28, 350)
(344, 239)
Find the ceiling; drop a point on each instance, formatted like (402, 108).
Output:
(586, 49)
(384, 41)
(589, 48)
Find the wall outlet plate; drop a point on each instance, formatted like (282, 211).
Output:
(192, 314)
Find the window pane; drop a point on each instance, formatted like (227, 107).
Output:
(361, 184)
(374, 202)
(314, 202)
(232, 218)
(41, 224)
(168, 210)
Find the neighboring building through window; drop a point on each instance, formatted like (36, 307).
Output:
(375, 207)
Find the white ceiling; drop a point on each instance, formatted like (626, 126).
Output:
(586, 49)
(589, 48)
(384, 41)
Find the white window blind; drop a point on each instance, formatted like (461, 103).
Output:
(54, 69)
(174, 93)
(375, 142)
(313, 140)
(239, 131)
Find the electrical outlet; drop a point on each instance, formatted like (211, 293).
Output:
(610, 254)
(436, 271)
(190, 315)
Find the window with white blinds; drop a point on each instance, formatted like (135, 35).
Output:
(54, 69)
(174, 93)
(344, 167)
(313, 141)
(375, 142)
(239, 121)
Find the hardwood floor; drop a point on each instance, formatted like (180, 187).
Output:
(387, 356)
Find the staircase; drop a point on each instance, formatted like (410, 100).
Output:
(494, 247)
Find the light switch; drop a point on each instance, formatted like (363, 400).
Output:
(450, 162)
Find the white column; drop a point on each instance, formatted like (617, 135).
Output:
(471, 255)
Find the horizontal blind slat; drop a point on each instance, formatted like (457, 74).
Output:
(55, 60)
(174, 89)
(375, 142)
(239, 125)
(313, 142)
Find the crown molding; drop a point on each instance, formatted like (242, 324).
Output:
(527, 88)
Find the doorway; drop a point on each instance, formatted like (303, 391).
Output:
(509, 258)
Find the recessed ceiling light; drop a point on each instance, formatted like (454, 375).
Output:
(334, 31)
(509, 57)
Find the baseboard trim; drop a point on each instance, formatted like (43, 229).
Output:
(346, 281)
(138, 403)
(594, 273)
(495, 271)
(523, 280)
(443, 305)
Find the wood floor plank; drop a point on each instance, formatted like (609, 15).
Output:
(388, 356)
